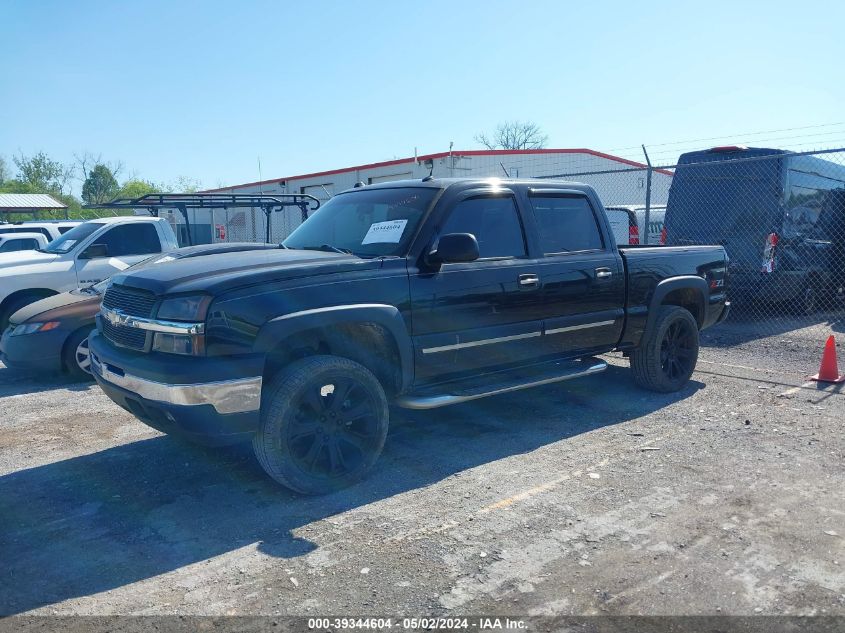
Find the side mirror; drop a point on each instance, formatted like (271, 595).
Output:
(455, 248)
(95, 251)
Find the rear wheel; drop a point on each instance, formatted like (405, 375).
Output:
(805, 303)
(323, 424)
(666, 359)
(76, 356)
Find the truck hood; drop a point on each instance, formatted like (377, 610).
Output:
(216, 274)
(24, 258)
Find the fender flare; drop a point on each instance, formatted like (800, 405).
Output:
(387, 316)
(684, 282)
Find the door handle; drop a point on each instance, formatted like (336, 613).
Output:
(528, 282)
(603, 273)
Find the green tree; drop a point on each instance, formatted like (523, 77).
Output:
(100, 185)
(185, 184)
(42, 173)
(4, 171)
(135, 188)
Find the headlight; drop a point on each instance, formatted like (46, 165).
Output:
(31, 328)
(186, 308)
(187, 344)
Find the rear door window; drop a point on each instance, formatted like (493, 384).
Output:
(495, 223)
(567, 224)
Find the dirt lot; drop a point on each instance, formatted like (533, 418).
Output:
(580, 498)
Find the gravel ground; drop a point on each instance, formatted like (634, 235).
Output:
(587, 497)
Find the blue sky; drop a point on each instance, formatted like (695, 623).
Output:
(201, 89)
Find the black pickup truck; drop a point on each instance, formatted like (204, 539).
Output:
(414, 293)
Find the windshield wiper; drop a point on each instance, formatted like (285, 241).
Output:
(328, 248)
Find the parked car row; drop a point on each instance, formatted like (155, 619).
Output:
(10, 242)
(26, 236)
(50, 229)
(86, 254)
(52, 334)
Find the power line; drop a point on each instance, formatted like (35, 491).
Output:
(677, 152)
(729, 136)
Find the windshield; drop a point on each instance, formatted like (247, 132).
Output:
(69, 240)
(366, 223)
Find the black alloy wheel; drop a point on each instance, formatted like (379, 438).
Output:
(324, 421)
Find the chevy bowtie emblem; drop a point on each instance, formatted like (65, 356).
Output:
(115, 317)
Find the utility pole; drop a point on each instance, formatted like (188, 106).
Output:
(644, 236)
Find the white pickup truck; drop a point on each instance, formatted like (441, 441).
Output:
(50, 229)
(85, 255)
(11, 242)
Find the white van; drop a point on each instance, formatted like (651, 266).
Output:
(628, 223)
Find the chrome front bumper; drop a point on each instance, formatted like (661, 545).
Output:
(226, 396)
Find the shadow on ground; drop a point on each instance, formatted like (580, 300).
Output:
(101, 521)
(16, 382)
(749, 322)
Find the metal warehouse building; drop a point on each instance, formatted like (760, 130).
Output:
(617, 180)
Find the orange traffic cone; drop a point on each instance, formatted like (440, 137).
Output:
(829, 370)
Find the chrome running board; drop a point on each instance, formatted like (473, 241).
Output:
(505, 382)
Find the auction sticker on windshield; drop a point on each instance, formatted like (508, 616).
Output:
(385, 232)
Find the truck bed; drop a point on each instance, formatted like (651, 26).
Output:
(646, 267)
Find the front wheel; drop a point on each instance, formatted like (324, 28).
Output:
(77, 357)
(324, 421)
(666, 359)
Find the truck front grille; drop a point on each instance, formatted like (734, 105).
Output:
(125, 336)
(131, 301)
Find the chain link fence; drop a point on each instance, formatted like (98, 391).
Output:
(780, 216)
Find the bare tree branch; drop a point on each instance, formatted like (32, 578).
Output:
(514, 135)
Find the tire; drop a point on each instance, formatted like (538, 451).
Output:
(804, 303)
(309, 440)
(76, 357)
(665, 360)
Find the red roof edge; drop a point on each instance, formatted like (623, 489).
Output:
(424, 157)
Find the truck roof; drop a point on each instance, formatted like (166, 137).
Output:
(127, 218)
(17, 236)
(40, 222)
(635, 207)
(469, 183)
